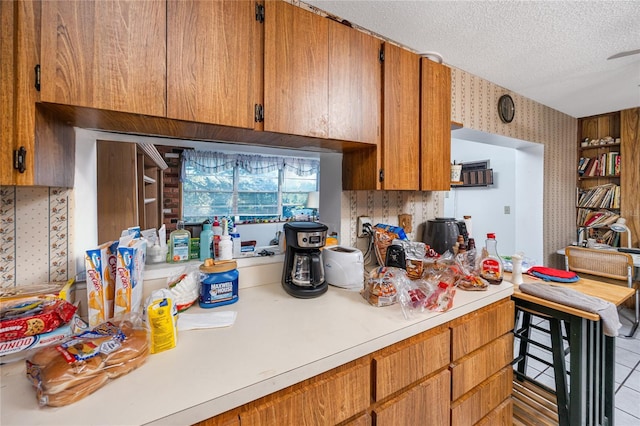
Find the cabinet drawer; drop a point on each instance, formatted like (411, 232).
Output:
(409, 361)
(475, 330)
(483, 400)
(424, 404)
(501, 416)
(326, 401)
(471, 370)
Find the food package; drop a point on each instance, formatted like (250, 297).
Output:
(380, 289)
(101, 264)
(383, 236)
(161, 315)
(129, 275)
(14, 350)
(30, 316)
(61, 290)
(81, 364)
(414, 252)
(185, 287)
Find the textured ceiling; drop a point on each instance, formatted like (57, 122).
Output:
(554, 52)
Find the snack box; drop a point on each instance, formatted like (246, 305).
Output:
(33, 315)
(101, 265)
(14, 350)
(129, 276)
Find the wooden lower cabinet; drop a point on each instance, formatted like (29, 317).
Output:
(417, 381)
(423, 404)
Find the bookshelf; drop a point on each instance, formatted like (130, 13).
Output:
(599, 170)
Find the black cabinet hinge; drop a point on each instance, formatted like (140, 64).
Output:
(260, 13)
(20, 159)
(381, 175)
(381, 57)
(259, 113)
(37, 71)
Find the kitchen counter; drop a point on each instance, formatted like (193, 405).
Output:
(276, 341)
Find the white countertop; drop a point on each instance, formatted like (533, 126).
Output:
(276, 341)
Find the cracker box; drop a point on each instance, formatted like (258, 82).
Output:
(129, 276)
(101, 265)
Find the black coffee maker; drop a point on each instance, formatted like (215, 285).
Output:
(303, 271)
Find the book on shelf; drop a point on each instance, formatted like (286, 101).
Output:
(602, 196)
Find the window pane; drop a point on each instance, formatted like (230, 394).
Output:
(295, 183)
(206, 195)
(262, 182)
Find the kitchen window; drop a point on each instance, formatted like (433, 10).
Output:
(246, 187)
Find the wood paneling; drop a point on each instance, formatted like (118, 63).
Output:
(435, 124)
(295, 71)
(105, 54)
(425, 404)
(401, 119)
(210, 61)
(630, 172)
(355, 85)
(410, 361)
(481, 327)
(479, 403)
(471, 370)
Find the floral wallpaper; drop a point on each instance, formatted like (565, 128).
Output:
(35, 245)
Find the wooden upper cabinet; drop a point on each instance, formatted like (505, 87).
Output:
(105, 54)
(211, 51)
(47, 144)
(355, 85)
(435, 122)
(401, 115)
(295, 71)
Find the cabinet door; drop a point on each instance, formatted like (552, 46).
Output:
(105, 54)
(425, 404)
(210, 61)
(355, 85)
(401, 135)
(435, 123)
(117, 188)
(295, 71)
(49, 144)
(7, 71)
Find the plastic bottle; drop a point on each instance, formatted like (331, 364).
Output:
(235, 240)
(516, 271)
(225, 245)
(217, 233)
(491, 268)
(179, 243)
(206, 241)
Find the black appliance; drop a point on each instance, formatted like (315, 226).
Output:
(303, 269)
(441, 233)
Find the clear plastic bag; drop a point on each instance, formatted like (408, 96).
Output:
(185, 287)
(380, 289)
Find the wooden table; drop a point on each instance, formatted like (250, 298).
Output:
(589, 398)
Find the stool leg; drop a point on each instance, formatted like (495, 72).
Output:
(559, 370)
(521, 367)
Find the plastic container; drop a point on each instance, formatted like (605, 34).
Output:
(206, 242)
(516, 269)
(225, 247)
(218, 284)
(235, 240)
(179, 244)
(491, 268)
(217, 233)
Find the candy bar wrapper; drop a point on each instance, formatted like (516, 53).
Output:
(129, 276)
(101, 265)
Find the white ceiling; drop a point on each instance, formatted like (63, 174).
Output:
(554, 52)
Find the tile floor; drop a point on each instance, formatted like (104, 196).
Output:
(627, 374)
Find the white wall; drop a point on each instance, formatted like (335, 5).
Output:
(518, 175)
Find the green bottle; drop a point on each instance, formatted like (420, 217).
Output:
(179, 243)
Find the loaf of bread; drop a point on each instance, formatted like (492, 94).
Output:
(82, 364)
